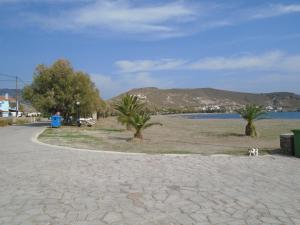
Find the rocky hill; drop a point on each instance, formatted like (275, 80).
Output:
(208, 99)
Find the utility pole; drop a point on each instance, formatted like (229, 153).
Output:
(17, 100)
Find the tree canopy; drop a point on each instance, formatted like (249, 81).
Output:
(58, 87)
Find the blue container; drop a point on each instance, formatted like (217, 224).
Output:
(55, 121)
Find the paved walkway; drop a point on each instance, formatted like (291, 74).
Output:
(42, 185)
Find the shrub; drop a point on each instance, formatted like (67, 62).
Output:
(5, 122)
(21, 121)
(133, 114)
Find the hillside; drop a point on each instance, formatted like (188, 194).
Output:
(10, 92)
(208, 99)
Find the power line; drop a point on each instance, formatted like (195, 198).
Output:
(27, 82)
(17, 80)
(24, 82)
(7, 80)
(6, 75)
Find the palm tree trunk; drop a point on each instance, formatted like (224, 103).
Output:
(128, 127)
(138, 134)
(250, 130)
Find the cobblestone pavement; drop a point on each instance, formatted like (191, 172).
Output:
(42, 185)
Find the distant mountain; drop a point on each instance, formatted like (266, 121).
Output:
(10, 92)
(209, 99)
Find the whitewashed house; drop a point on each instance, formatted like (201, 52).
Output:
(4, 105)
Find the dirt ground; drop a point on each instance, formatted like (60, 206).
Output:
(177, 135)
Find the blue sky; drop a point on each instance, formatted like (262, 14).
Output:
(238, 45)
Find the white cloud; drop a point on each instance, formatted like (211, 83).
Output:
(121, 16)
(160, 20)
(290, 63)
(262, 83)
(149, 65)
(145, 80)
(262, 62)
(275, 10)
(270, 61)
(271, 71)
(230, 15)
(104, 83)
(111, 86)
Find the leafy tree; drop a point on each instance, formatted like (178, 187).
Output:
(251, 113)
(127, 107)
(57, 89)
(140, 121)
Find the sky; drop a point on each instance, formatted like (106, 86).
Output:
(238, 45)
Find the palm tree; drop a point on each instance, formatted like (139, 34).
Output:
(251, 113)
(140, 121)
(128, 106)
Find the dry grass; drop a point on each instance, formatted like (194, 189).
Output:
(13, 121)
(178, 135)
(5, 122)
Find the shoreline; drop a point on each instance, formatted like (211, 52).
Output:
(234, 116)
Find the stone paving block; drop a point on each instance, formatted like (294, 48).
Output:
(295, 220)
(41, 185)
(112, 217)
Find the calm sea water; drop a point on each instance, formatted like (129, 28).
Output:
(269, 115)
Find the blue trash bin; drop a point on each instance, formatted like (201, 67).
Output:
(56, 121)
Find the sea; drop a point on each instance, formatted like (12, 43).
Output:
(269, 115)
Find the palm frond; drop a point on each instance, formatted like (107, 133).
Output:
(133, 113)
(128, 106)
(251, 112)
